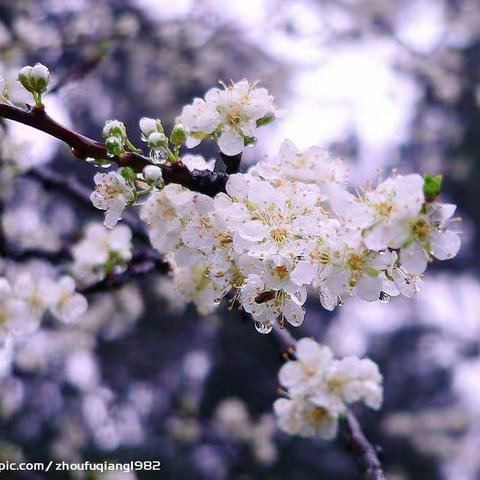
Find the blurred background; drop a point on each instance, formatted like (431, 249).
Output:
(386, 84)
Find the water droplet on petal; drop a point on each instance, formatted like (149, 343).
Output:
(263, 327)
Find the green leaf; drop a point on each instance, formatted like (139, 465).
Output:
(249, 141)
(265, 120)
(432, 186)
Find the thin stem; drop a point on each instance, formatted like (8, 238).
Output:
(138, 268)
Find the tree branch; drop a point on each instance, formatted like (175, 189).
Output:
(76, 191)
(138, 267)
(363, 452)
(203, 181)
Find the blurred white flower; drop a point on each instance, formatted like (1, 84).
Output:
(319, 389)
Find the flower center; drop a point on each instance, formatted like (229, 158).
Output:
(112, 191)
(318, 414)
(234, 118)
(384, 209)
(421, 229)
(356, 262)
(335, 384)
(279, 234)
(281, 272)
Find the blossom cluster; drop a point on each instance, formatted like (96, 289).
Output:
(286, 225)
(291, 224)
(319, 388)
(29, 295)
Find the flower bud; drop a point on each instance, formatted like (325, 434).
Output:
(157, 140)
(127, 173)
(40, 76)
(150, 125)
(178, 135)
(114, 128)
(25, 76)
(114, 146)
(152, 173)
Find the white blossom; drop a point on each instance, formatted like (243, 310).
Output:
(314, 165)
(14, 313)
(232, 113)
(163, 213)
(300, 416)
(112, 194)
(68, 305)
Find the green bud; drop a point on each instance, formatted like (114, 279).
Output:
(40, 76)
(114, 146)
(432, 186)
(178, 135)
(127, 173)
(25, 77)
(157, 140)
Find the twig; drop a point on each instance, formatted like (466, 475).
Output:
(203, 181)
(24, 255)
(139, 267)
(363, 452)
(75, 190)
(79, 71)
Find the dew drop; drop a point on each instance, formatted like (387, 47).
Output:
(263, 327)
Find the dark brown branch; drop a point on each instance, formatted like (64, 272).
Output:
(79, 71)
(76, 191)
(227, 164)
(138, 268)
(203, 181)
(24, 255)
(363, 452)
